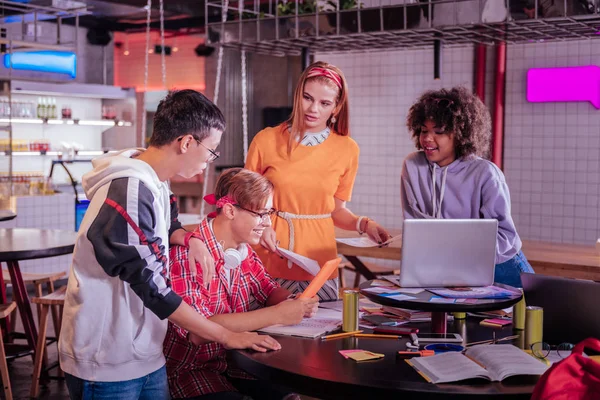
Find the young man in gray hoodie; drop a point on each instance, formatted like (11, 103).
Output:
(118, 297)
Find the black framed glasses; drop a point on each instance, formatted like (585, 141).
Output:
(213, 154)
(542, 350)
(263, 216)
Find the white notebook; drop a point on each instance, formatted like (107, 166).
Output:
(323, 322)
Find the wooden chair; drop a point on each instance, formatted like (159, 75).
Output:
(45, 303)
(37, 280)
(5, 310)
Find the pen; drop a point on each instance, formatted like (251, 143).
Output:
(373, 336)
(340, 335)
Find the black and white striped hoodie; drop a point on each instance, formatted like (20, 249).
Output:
(118, 295)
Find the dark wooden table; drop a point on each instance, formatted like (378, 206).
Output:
(7, 215)
(315, 368)
(18, 244)
(439, 310)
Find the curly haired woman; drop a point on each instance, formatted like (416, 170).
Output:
(448, 178)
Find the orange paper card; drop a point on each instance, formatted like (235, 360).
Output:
(319, 280)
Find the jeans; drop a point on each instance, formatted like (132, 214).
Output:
(509, 272)
(153, 386)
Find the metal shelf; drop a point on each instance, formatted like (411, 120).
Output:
(14, 12)
(60, 154)
(389, 27)
(77, 122)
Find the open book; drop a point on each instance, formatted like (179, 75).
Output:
(323, 322)
(492, 362)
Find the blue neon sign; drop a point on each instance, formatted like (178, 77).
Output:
(60, 62)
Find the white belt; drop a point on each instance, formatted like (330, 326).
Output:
(288, 217)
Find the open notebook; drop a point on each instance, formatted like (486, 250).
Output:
(492, 362)
(323, 322)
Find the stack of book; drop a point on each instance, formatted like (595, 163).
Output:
(408, 315)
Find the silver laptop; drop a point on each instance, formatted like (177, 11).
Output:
(570, 306)
(448, 252)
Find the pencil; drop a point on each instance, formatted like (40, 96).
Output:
(373, 336)
(340, 335)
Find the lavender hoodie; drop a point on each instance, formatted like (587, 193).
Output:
(470, 187)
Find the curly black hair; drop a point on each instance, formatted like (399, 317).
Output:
(456, 110)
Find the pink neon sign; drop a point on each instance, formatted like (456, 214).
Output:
(564, 84)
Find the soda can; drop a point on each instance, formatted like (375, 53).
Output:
(518, 316)
(534, 325)
(350, 310)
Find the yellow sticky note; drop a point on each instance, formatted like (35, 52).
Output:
(364, 356)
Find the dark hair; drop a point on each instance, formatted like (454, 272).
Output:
(456, 110)
(185, 112)
(249, 189)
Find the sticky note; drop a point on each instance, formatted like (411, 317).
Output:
(364, 356)
(496, 322)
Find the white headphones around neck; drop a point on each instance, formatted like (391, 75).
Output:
(233, 258)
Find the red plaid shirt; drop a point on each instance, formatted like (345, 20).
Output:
(197, 370)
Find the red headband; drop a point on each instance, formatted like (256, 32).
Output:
(212, 200)
(318, 71)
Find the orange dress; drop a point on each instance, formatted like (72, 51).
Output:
(305, 184)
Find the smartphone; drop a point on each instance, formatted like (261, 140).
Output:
(395, 330)
(439, 338)
(379, 320)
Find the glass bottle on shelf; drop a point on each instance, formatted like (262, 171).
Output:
(41, 108)
(52, 113)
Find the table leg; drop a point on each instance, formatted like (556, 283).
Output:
(361, 268)
(22, 300)
(438, 322)
(5, 321)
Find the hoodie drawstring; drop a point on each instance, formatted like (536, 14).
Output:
(437, 208)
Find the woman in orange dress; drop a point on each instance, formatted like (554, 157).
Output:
(312, 161)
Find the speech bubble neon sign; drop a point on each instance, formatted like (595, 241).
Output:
(564, 84)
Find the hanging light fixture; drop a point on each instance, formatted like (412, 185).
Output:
(437, 57)
(126, 50)
(175, 49)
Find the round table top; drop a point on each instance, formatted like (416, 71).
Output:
(421, 301)
(18, 244)
(7, 215)
(315, 368)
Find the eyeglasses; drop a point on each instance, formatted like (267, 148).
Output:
(542, 350)
(213, 154)
(263, 216)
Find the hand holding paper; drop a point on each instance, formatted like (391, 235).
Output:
(365, 241)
